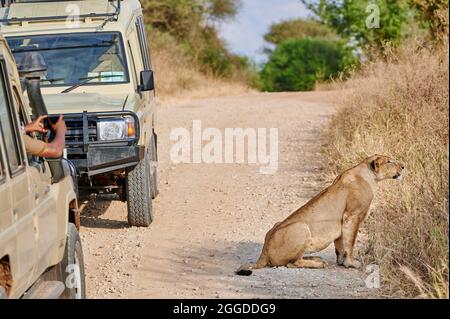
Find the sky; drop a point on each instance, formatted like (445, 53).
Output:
(244, 34)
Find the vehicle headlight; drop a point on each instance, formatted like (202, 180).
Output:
(115, 129)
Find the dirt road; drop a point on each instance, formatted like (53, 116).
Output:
(211, 218)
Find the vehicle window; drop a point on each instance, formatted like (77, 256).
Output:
(8, 127)
(143, 43)
(22, 120)
(76, 58)
(18, 103)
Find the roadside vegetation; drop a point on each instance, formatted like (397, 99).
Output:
(398, 105)
(190, 58)
(302, 53)
(349, 32)
(179, 77)
(297, 65)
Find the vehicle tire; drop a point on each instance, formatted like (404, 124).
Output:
(154, 167)
(72, 266)
(139, 195)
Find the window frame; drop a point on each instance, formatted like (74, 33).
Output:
(133, 62)
(143, 43)
(122, 47)
(4, 75)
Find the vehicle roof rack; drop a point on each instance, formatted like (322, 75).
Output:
(106, 15)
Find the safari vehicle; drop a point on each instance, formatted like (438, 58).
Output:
(40, 249)
(100, 78)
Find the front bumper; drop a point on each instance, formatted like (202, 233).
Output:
(91, 156)
(103, 159)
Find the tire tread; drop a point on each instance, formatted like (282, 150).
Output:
(139, 200)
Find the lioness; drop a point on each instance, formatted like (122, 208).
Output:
(334, 215)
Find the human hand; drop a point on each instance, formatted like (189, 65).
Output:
(37, 125)
(60, 125)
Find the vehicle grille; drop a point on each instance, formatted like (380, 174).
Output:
(74, 135)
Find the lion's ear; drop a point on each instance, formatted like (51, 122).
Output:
(373, 165)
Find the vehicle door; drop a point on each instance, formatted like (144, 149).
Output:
(45, 208)
(140, 61)
(5, 200)
(19, 186)
(7, 231)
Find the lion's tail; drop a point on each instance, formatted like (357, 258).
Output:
(247, 269)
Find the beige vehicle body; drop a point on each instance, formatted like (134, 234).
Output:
(102, 168)
(34, 212)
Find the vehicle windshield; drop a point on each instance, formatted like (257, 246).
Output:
(76, 58)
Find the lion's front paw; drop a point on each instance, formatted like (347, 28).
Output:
(352, 263)
(340, 258)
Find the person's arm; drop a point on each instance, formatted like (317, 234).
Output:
(33, 146)
(55, 148)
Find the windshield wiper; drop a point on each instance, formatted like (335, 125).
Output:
(87, 80)
(52, 80)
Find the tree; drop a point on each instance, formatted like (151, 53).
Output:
(178, 17)
(193, 24)
(296, 65)
(367, 22)
(184, 17)
(297, 29)
(212, 53)
(222, 9)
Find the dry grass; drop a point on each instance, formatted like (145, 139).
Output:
(399, 107)
(177, 76)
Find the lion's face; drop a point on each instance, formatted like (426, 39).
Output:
(385, 167)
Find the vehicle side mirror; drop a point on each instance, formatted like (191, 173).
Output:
(147, 81)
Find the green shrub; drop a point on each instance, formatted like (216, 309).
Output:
(348, 19)
(296, 65)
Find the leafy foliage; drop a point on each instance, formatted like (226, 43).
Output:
(193, 24)
(173, 16)
(297, 29)
(296, 65)
(349, 17)
(222, 9)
